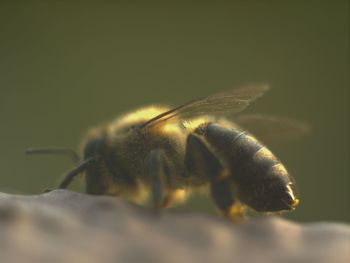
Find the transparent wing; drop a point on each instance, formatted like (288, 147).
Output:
(272, 129)
(224, 103)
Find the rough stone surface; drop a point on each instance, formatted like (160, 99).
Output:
(64, 226)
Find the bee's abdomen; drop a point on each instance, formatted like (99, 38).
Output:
(247, 157)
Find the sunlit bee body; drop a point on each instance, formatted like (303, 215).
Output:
(128, 155)
(160, 154)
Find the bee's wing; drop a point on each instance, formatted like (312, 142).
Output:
(224, 103)
(272, 129)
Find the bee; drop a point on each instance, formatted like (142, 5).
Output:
(160, 154)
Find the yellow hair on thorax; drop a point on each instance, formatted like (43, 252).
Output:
(136, 117)
(143, 114)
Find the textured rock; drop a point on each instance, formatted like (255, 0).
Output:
(64, 226)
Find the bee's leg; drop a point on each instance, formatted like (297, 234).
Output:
(222, 195)
(68, 178)
(157, 173)
(199, 159)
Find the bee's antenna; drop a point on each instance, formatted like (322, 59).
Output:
(55, 150)
(68, 178)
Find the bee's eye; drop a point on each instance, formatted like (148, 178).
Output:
(92, 148)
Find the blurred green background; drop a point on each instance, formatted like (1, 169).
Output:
(67, 66)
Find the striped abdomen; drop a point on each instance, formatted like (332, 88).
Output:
(261, 179)
(246, 156)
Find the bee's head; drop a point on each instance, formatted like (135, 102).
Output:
(271, 195)
(106, 174)
(94, 148)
